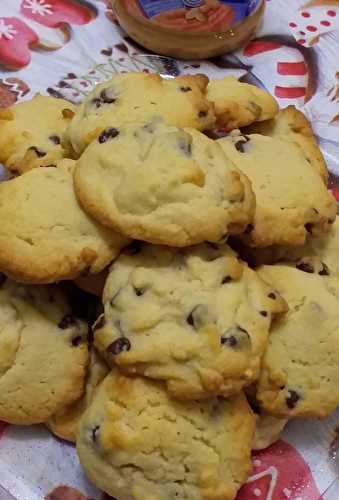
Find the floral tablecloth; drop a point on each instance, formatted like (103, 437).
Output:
(63, 48)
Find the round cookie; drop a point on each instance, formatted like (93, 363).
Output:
(45, 236)
(136, 443)
(300, 372)
(238, 104)
(31, 133)
(291, 125)
(197, 319)
(163, 185)
(268, 430)
(292, 199)
(65, 422)
(138, 97)
(43, 353)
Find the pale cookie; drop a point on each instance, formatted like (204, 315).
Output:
(45, 236)
(31, 133)
(135, 443)
(291, 125)
(65, 422)
(163, 185)
(268, 430)
(197, 319)
(43, 353)
(139, 97)
(238, 104)
(292, 199)
(300, 371)
(318, 255)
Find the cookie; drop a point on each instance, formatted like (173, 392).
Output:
(290, 124)
(268, 430)
(196, 318)
(163, 185)
(136, 443)
(65, 423)
(318, 255)
(238, 104)
(135, 97)
(43, 353)
(45, 236)
(300, 373)
(292, 199)
(31, 133)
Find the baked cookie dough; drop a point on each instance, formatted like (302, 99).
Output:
(45, 236)
(31, 133)
(135, 443)
(139, 97)
(43, 353)
(238, 104)
(164, 185)
(300, 372)
(291, 125)
(292, 199)
(65, 422)
(196, 318)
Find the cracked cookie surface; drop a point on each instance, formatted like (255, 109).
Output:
(45, 236)
(31, 133)
(291, 197)
(43, 353)
(138, 97)
(300, 374)
(136, 443)
(238, 104)
(196, 318)
(164, 185)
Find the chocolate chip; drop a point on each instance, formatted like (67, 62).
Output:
(77, 341)
(292, 399)
(106, 98)
(66, 322)
(68, 113)
(55, 139)
(185, 89)
(100, 323)
(94, 433)
(239, 145)
(315, 210)
(236, 337)
(272, 295)
(226, 279)
(185, 146)
(3, 278)
(118, 346)
(331, 221)
(309, 227)
(230, 341)
(107, 134)
(305, 266)
(139, 291)
(249, 228)
(202, 114)
(324, 271)
(263, 313)
(97, 102)
(190, 319)
(39, 153)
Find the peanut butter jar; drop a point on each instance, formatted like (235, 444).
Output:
(189, 29)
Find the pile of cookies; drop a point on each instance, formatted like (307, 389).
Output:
(212, 316)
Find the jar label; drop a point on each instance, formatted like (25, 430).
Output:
(196, 15)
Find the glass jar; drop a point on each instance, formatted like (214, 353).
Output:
(189, 29)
